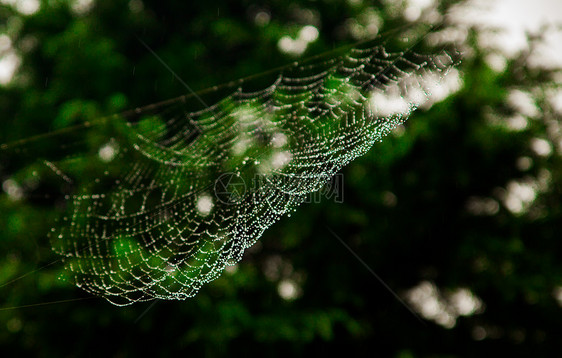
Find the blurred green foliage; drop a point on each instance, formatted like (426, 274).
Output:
(430, 204)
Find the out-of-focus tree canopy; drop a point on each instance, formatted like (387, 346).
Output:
(459, 212)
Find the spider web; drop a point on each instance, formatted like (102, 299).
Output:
(184, 193)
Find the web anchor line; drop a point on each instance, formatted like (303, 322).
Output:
(231, 84)
(381, 281)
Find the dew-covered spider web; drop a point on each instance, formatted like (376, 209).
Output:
(183, 193)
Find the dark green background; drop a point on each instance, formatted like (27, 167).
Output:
(77, 68)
